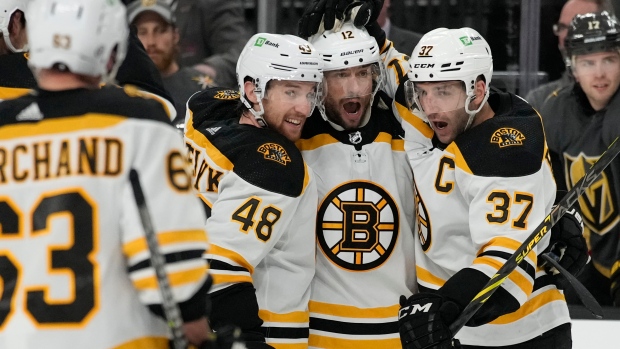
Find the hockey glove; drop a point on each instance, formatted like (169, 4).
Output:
(367, 12)
(568, 243)
(424, 320)
(318, 11)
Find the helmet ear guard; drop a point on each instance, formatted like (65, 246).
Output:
(7, 9)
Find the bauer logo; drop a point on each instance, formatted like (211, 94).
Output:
(465, 40)
(507, 136)
(274, 152)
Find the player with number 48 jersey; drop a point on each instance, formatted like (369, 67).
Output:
(260, 194)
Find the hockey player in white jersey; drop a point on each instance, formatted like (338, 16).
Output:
(483, 182)
(365, 253)
(74, 263)
(260, 193)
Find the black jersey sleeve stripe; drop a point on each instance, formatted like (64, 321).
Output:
(353, 328)
(527, 267)
(170, 258)
(285, 332)
(219, 265)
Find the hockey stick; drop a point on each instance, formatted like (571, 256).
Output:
(171, 309)
(543, 228)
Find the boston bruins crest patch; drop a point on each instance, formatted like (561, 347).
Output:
(227, 94)
(358, 226)
(274, 152)
(507, 136)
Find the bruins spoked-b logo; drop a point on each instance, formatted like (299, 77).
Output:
(274, 152)
(423, 221)
(357, 226)
(507, 136)
(599, 210)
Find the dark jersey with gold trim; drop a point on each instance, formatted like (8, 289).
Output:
(73, 254)
(16, 79)
(478, 198)
(577, 137)
(263, 201)
(365, 258)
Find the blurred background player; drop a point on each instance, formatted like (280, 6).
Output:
(571, 8)
(260, 195)
(212, 34)
(159, 35)
(74, 259)
(580, 122)
(15, 77)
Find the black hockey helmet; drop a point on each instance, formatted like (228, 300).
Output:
(592, 32)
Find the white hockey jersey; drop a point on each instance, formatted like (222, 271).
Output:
(477, 200)
(74, 263)
(365, 255)
(263, 202)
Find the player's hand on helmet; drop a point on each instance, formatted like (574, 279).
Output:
(317, 12)
(424, 320)
(567, 243)
(363, 12)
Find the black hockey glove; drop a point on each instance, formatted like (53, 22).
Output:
(567, 242)
(424, 320)
(367, 13)
(317, 11)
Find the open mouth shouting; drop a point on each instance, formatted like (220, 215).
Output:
(352, 109)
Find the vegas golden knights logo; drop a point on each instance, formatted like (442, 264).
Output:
(423, 221)
(357, 226)
(227, 94)
(274, 152)
(507, 136)
(598, 208)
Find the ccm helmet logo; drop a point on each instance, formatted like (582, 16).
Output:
(412, 309)
(423, 65)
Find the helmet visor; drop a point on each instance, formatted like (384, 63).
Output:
(301, 95)
(435, 97)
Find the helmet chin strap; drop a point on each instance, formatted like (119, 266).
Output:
(258, 114)
(9, 44)
(472, 113)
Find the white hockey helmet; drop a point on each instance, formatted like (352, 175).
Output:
(350, 47)
(7, 9)
(451, 54)
(268, 57)
(87, 37)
